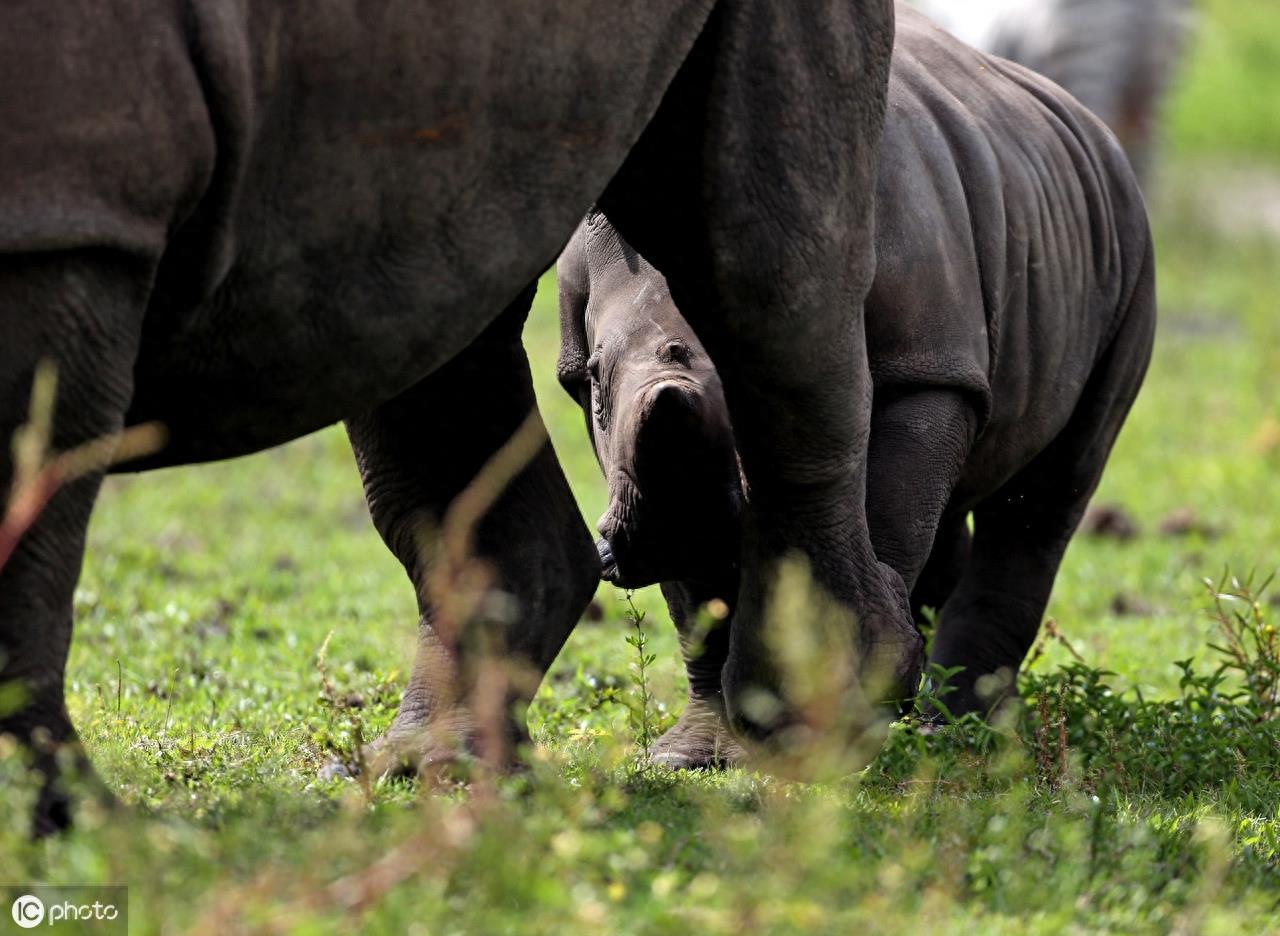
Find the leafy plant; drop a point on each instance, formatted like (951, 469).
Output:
(642, 722)
(1250, 645)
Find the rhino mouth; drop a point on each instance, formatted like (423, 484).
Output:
(641, 545)
(625, 559)
(608, 565)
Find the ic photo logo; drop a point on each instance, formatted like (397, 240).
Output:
(81, 908)
(28, 911)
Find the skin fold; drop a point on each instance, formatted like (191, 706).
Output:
(247, 221)
(1009, 326)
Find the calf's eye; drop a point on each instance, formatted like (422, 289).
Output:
(674, 351)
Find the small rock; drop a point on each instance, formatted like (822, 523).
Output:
(216, 623)
(353, 700)
(1109, 521)
(1123, 605)
(1186, 522)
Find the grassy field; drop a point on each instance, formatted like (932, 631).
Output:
(1146, 801)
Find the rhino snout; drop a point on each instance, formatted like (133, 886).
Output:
(673, 492)
(672, 423)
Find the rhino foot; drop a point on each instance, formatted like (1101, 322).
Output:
(430, 752)
(700, 740)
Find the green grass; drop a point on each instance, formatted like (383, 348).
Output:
(1227, 103)
(209, 591)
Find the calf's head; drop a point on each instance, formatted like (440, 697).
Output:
(655, 412)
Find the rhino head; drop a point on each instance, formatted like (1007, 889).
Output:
(655, 412)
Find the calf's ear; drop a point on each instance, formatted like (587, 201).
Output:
(574, 285)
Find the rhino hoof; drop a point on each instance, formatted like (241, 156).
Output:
(678, 760)
(699, 741)
(335, 769)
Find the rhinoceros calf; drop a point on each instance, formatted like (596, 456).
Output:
(248, 220)
(1009, 326)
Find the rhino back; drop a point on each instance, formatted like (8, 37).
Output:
(1010, 233)
(338, 195)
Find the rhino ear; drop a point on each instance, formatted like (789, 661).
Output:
(575, 289)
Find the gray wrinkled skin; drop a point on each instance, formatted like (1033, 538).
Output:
(1008, 327)
(248, 221)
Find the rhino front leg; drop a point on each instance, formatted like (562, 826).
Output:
(701, 739)
(752, 191)
(81, 312)
(416, 454)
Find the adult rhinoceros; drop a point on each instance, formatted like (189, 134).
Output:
(247, 220)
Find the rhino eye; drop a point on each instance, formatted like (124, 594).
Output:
(597, 404)
(593, 367)
(674, 351)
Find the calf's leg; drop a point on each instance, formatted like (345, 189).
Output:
(701, 739)
(920, 439)
(1022, 531)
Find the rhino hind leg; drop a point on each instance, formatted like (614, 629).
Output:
(702, 738)
(1022, 531)
(993, 615)
(81, 312)
(417, 453)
